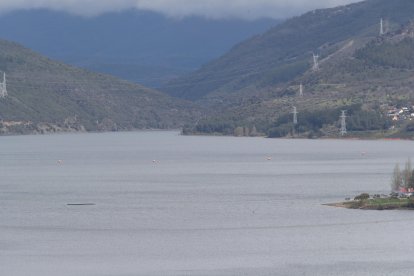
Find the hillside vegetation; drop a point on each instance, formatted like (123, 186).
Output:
(289, 45)
(45, 95)
(257, 83)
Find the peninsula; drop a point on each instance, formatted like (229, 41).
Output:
(401, 197)
(377, 203)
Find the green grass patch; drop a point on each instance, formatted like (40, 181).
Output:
(381, 204)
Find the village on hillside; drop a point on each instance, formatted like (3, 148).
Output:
(396, 113)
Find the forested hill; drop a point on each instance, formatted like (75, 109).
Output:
(370, 76)
(44, 95)
(284, 53)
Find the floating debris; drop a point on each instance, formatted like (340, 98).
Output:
(80, 204)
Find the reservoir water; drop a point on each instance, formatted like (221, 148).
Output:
(164, 204)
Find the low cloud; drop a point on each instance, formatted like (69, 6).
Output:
(247, 9)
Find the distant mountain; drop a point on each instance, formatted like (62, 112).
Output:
(45, 95)
(284, 52)
(256, 85)
(139, 46)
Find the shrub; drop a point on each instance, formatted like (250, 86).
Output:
(410, 203)
(361, 197)
(356, 204)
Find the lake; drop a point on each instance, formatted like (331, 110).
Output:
(165, 204)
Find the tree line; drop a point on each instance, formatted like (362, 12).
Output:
(309, 122)
(313, 121)
(403, 178)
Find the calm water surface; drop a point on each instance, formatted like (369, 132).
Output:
(206, 206)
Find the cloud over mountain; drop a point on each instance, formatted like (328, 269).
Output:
(247, 9)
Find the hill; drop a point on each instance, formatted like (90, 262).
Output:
(367, 74)
(45, 95)
(284, 52)
(139, 46)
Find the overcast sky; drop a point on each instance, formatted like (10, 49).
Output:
(249, 9)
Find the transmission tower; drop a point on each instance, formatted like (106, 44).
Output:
(295, 115)
(382, 27)
(315, 62)
(3, 87)
(301, 90)
(343, 123)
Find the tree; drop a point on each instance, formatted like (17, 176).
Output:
(407, 173)
(411, 183)
(238, 131)
(254, 131)
(397, 179)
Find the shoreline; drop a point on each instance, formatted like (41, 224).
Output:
(87, 132)
(348, 138)
(72, 131)
(375, 204)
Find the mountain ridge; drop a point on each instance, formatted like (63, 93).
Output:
(140, 46)
(289, 44)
